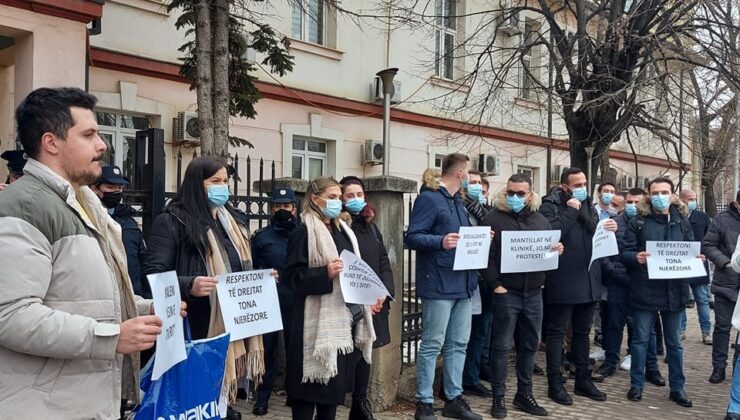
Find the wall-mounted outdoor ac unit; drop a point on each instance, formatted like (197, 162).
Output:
(372, 152)
(642, 182)
(509, 23)
(186, 128)
(376, 91)
(488, 164)
(628, 181)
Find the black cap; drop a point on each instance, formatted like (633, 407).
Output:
(112, 175)
(283, 196)
(350, 180)
(16, 159)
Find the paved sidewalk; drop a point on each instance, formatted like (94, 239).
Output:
(710, 401)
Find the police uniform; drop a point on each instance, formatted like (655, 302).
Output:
(16, 161)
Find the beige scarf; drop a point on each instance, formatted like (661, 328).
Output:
(241, 361)
(327, 330)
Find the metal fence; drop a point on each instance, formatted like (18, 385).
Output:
(411, 318)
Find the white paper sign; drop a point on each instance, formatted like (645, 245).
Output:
(472, 248)
(171, 342)
(524, 251)
(603, 244)
(249, 303)
(674, 260)
(359, 282)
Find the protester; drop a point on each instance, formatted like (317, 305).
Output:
(618, 303)
(109, 188)
(517, 297)
(446, 294)
(718, 245)
(618, 203)
(661, 217)
(571, 291)
(16, 160)
(733, 409)
(200, 236)
(486, 189)
(373, 252)
(70, 332)
(606, 193)
(270, 250)
(328, 335)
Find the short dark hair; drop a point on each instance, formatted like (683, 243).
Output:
(567, 172)
(351, 180)
(47, 110)
(636, 191)
(661, 180)
(488, 184)
(452, 161)
(517, 178)
(737, 197)
(603, 184)
(473, 172)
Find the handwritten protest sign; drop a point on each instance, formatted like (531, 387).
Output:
(171, 342)
(525, 251)
(249, 303)
(603, 244)
(472, 248)
(359, 282)
(674, 260)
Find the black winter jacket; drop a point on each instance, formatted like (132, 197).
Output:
(269, 250)
(718, 245)
(613, 270)
(572, 282)
(133, 241)
(655, 295)
(700, 224)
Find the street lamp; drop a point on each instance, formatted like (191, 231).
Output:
(590, 154)
(386, 78)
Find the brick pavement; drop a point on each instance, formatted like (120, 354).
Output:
(710, 401)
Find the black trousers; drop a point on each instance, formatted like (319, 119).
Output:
(362, 379)
(302, 410)
(723, 309)
(580, 317)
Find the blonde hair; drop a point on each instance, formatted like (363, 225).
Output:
(430, 178)
(315, 189)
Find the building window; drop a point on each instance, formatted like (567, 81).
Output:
(308, 21)
(309, 158)
(532, 173)
(445, 34)
(119, 133)
(438, 158)
(526, 76)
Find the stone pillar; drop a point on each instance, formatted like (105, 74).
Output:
(386, 194)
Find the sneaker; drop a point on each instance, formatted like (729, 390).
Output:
(498, 408)
(598, 355)
(606, 370)
(458, 408)
(706, 338)
(424, 411)
(529, 405)
(477, 391)
(538, 370)
(626, 363)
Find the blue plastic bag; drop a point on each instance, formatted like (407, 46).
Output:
(190, 389)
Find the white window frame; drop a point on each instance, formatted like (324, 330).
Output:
(302, 7)
(335, 157)
(118, 133)
(534, 174)
(307, 155)
(445, 26)
(525, 80)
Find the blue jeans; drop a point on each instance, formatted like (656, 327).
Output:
(701, 297)
(734, 406)
(445, 328)
(643, 323)
(480, 331)
(619, 315)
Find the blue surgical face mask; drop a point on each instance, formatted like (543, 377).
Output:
(475, 191)
(482, 199)
(516, 203)
(660, 202)
(355, 205)
(218, 195)
(465, 183)
(606, 198)
(333, 208)
(580, 194)
(692, 205)
(631, 209)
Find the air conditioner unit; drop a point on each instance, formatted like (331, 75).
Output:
(510, 23)
(376, 91)
(628, 181)
(186, 127)
(372, 152)
(488, 164)
(642, 182)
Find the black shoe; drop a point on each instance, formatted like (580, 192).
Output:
(680, 398)
(732, 416)
(634, 394)
(538, 370)
(260, 408)
(361, 410)
(232, 414)
(691, 304)
(556, 391)
(529, 405)
(597, 377)
(424, 411)
(585, 387)
(606, 370)
(654, 377)
(477, 391)
(718, 376)
(498, 408)
(459, 409)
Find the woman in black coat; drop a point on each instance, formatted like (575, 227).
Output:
(373, 252)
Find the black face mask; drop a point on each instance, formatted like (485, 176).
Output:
(284, 217)
(111, 199)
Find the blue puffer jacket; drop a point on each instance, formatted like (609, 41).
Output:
(435, 214)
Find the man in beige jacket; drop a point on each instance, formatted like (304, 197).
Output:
(67, 310)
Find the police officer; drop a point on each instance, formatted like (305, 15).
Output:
(16, 161)
(270, 250)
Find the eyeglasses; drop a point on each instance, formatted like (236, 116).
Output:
(520, 194)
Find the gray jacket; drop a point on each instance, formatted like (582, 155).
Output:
(60, 306)
(718, 245)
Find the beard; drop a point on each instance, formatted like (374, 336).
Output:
(83, 176)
